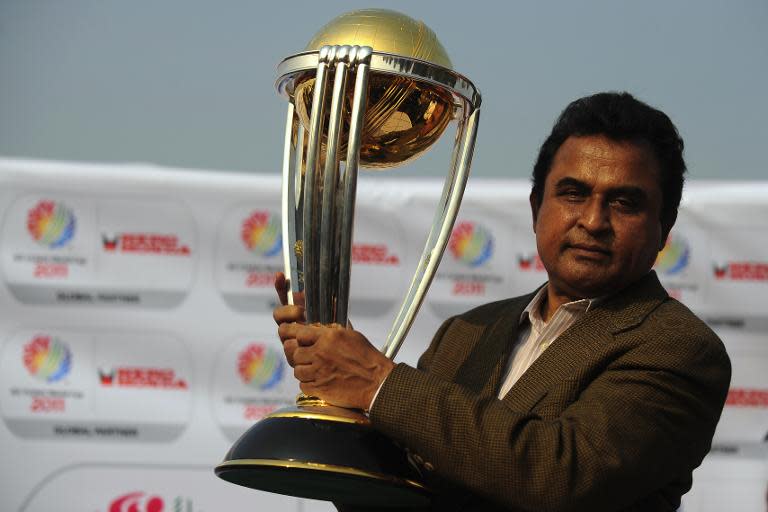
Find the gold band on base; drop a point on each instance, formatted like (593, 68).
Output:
(294, 464)
(303, 400)
(313, 408)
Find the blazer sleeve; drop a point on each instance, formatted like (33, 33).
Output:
(641, 422)
(425, 361)
(423, 364)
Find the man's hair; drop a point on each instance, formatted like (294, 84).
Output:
(620, 117)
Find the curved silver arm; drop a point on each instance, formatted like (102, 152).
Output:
(445, 216)
(291, 160)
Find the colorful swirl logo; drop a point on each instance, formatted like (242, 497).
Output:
(260, 233)
(674, 257)
(51, 224)
(471, 243)
(47, 358)
(260, 367)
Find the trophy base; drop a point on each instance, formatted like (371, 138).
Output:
(323, 452)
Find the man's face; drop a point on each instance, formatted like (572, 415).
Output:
(598, 226)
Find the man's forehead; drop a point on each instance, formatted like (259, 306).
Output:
(598, 157)
(601, 147)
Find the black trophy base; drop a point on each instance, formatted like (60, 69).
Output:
(324, 453)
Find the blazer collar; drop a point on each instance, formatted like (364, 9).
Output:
(567, 357)
(483, 369)
(627, 308)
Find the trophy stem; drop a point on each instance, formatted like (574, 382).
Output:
(311, 191)
(347, 217)
(439, 234)
(328, 272)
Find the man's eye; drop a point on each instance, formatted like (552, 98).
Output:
(572, 194)
(625, 203)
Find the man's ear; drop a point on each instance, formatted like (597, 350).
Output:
(534, 208)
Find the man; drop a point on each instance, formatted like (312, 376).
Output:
(596, 392)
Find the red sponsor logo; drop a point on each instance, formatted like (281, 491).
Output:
(145, 243)
(137, 502)
(741, 271)
(373, 254)
(746, 397)
(44, 404)
(256, 412)
(468, 288)
(110, 244)
(530, 263)
(141, 377)
(51, 270)
(259, 279)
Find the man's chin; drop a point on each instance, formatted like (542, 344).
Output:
(590, 287)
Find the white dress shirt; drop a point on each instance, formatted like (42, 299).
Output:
(536, 335)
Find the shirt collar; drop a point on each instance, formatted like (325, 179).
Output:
(533, 309)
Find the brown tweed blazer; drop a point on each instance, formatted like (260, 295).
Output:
(614, 415)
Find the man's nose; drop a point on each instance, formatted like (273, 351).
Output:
(595, 216)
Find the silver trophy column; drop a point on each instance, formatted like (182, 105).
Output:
(318, 206)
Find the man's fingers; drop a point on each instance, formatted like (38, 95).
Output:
(304, 372)
(289, 347)
(307, 338)
(281, 287)
(305, 335)
(286, 331)
(302, 355)
(307, 388)
(283, 314)
(298, 299)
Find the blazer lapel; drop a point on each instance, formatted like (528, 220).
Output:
(569, 356)
(481, 372)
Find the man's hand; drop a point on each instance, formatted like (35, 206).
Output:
(334, 363)
(286, 312)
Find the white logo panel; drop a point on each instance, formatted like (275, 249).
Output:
(70, 384)
(64, 249)
(251, 378)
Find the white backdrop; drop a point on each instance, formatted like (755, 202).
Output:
(136, 339)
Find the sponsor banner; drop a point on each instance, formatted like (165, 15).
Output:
(81, 385)
(189, 256)
(74, 250)
(146, 488)
(251, 378)
(249, 251)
